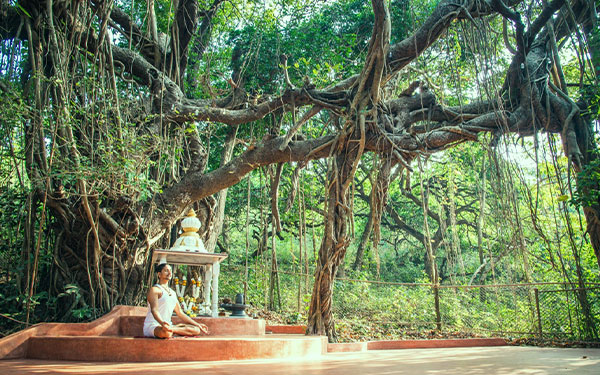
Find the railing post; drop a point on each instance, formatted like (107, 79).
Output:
(536, 293)
(438, 314)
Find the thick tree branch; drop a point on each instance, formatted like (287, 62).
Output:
(542, 19)
(137, 38)
(405, 51)
(170, 204)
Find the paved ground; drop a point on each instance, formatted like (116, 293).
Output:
(502, 360)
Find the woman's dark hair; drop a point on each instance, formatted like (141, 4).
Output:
(160, 267)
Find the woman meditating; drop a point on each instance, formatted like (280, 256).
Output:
(162, 301)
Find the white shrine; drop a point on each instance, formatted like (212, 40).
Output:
(189, 250)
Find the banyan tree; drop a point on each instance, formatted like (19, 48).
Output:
(114, 98)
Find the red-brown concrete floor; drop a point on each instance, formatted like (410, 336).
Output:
(464, 361)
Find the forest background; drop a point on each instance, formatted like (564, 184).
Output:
(439, 159)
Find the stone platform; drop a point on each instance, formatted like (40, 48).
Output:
(116, 337)
(130, 349)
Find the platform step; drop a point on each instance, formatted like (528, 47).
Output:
(133, 326)
(210, 348)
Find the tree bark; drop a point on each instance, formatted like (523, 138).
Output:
(334, 244)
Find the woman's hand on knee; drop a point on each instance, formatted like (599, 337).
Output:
(203, 328)
(167, 327)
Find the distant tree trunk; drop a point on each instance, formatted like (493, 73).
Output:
(480, 223)
(592, 216)
(520, 236)
(366, 234)
(480, 218)
(588, 183)
(377, 202)
(217, 226)
(274, 287)
(364, 239)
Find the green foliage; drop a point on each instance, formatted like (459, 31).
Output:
(588, 183)
(372, 310)
(323, 45)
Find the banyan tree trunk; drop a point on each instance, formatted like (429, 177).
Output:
(335, 242)
(348, 149)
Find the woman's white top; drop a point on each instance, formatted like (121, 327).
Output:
(165, 306)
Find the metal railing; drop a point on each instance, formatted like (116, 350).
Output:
(544, 310)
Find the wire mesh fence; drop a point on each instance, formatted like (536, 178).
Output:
(548, 310)
(565, 311)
